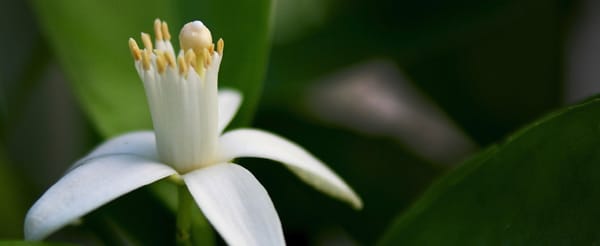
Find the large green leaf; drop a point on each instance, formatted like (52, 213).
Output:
(14, 202)
(27, 243)
(539, 187)
(90, 40)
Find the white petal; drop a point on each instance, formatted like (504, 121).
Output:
(229, 103)
(262, 144)
(142, 144)
(236, 204)
(88, 187)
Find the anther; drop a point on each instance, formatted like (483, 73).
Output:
(182, 65)
(207, 57)
(135, 50)
(165, 31)
(190, 59)
(161, 63)
(170, 59)
(147, 41)
(220, 46)
(211, 49)
(158, 30)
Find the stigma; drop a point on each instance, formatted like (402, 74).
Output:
(181, 89)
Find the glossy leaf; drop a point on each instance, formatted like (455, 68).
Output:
(539, 187)
(26, 243)
(90, 40)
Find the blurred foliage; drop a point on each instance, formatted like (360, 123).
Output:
(93, 51)
(28, 56)
(13, 205)
(133, 219)
(385, 175)
(24, 243)
(538, 188)
(491, 66)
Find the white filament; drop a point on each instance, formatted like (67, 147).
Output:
(184, 111)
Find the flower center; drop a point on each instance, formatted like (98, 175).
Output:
(182, 93)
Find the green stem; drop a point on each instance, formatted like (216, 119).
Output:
(184, 216)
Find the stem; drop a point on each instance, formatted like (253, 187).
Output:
(184, 216)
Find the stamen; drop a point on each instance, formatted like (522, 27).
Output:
(147, 41)
(182, 65)
(146, 59)
(220, 46)
(190, 59)
(165, 31)
(207, 57)
(161, 63)
(135, 50)
(170, 59)
(158, 30)
(183, 104)
(196, 43)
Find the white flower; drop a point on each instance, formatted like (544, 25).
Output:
(189, 115)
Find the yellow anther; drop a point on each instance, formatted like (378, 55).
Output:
(211, 49)
(165, 31)
(207, 57)
(147, 41)
(195, 36)
(183, 67)
(135, 50)
(220, 46)
(158, 30)
(190, 59)
(195, 41)
(161, 54)
(161, 63)
(146, 59)
(170, 59)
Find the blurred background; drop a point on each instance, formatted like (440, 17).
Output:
(390, 94)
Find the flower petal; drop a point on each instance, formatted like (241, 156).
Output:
(236, 204)
(141, 143)
(262, 144)
(229, 103)
(87, 187)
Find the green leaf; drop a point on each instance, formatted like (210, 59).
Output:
(14, 201)
(138, 218)
(27, 243)
(29, 57)
(90, 40)
(540, 187)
